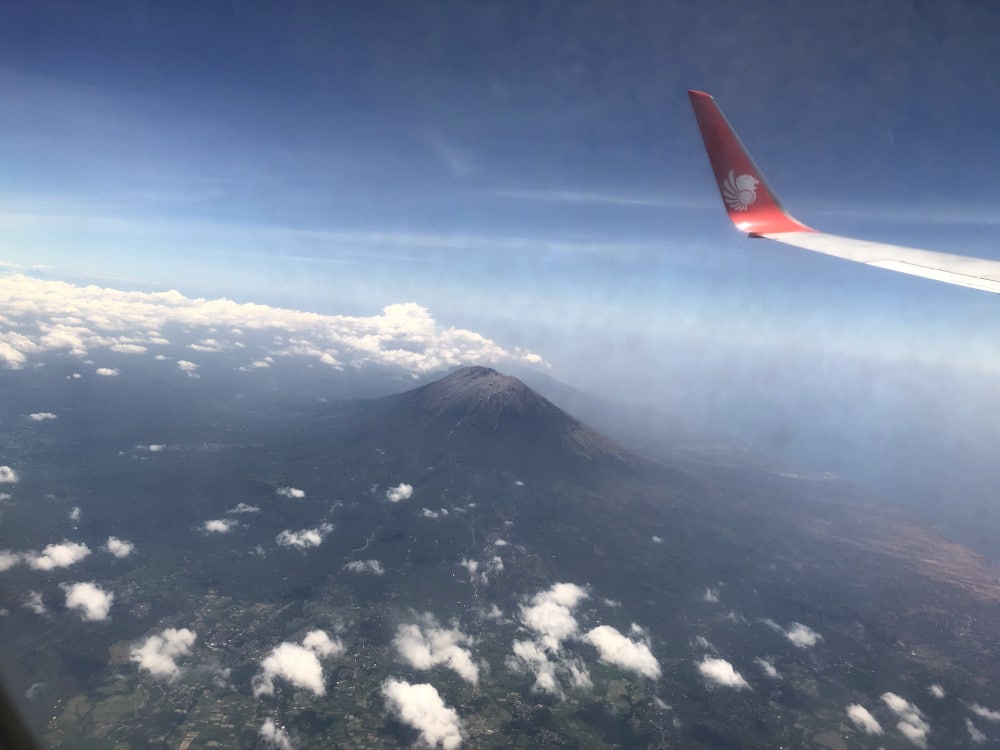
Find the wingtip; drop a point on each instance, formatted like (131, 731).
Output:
(695, 94)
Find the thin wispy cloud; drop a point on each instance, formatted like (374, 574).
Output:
(304, 538)
(274, 736)
(365, 566)
(584, 197)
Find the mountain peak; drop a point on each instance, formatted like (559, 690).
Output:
(484, 411)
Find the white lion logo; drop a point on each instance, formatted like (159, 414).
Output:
(739, 192)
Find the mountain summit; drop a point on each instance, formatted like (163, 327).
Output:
(479, 412)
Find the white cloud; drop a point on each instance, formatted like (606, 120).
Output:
(41, 416)
(711, 596)
(243, 508)
(422, 708)
(985, 713)
(119, 547)
(8, 475)
(158, 654)
(304, 538)
(321, 644)
(975, 735)
(298, 665)
(399, 493)
(500, 543)
(155, 447)
(802, 636)
(58, 555)
(863, 720)
(767, 668)
(532, 657)
(8, 559)
(657, 539)
(720, 672)
(108, 372)
(186, 366)
(292, 492)
(404, 336)
(912, 724)
(618, 649)
(550, 613)
(365, 566)
(425, 645)
(129, 348)
(936, 690)
(33, 601)
(74, 514)
(93, 601)
(428, 513)
(274, 736)
(218, 525)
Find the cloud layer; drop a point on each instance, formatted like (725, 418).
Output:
(46, 316)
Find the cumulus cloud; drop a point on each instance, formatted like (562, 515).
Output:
(767, 668)
(93, 602)
(656, 539)
(108, 372)
(985, 713)
(186, 366)
(863, 720)
(292, 492)
(550, 613)
(158, 654)
(218, 526)
(936, 690)
(274, 736)
(618, 649)
(399, 493)
(8, 559)
(802, 636)
(8, 475)
(63, 317)
(500, 543)
(975, 735)
(912, 724)
(155, 447)
(243, 508)
(298, 665)
(531, 657)
(58, 555)
(422, 708)
(33, 602)
(711, 596)
(720, 672)
(74, 514)
(304, 538)
(365, 566)
(428, 513)
(41, 416)
(425, 645)
(119, 547)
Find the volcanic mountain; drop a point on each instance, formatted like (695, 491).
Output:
(470, 525)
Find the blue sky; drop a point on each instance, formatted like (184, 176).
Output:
(531, 171)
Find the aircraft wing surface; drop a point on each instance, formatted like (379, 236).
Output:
(753, 208)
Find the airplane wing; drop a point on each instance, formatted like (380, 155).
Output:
(753, 208)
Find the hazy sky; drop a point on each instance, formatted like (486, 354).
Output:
(530, 171)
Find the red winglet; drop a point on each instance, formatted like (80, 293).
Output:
(748, 198)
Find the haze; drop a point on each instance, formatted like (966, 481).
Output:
(533, 175)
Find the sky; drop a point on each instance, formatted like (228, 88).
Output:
(532, 172)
